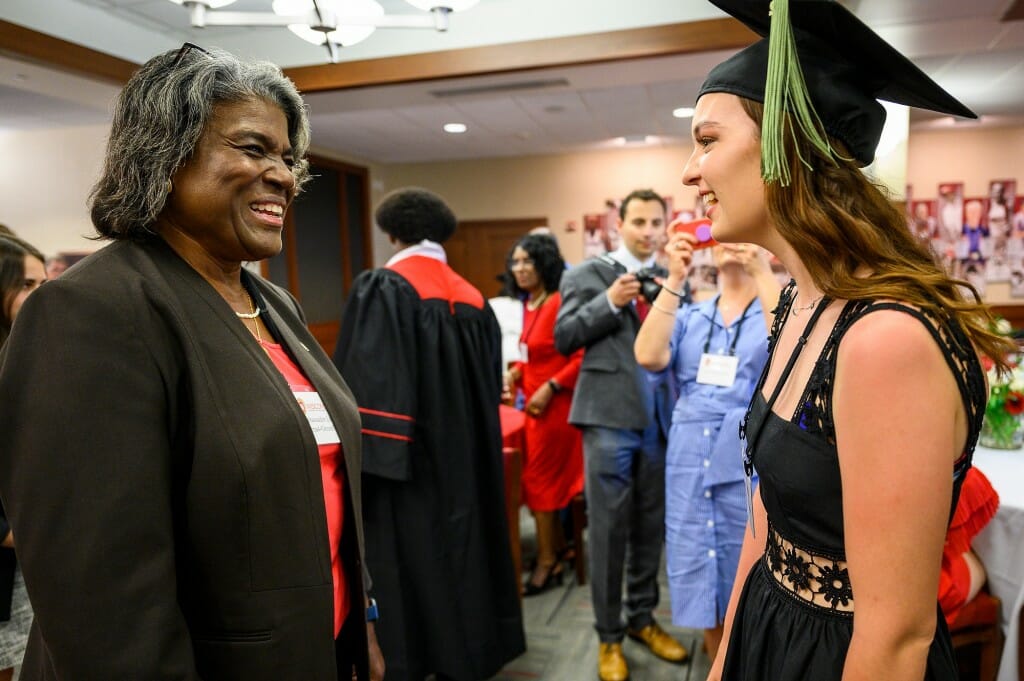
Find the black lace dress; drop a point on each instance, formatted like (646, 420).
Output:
(795, 616)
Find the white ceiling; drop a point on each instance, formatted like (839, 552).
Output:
(963, 46)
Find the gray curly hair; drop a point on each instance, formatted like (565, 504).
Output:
(158, 120)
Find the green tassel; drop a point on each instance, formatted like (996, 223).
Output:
(785, 90)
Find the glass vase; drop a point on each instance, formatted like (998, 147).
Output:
(1006, 431)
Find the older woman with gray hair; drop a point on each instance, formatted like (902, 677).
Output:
(179, 460)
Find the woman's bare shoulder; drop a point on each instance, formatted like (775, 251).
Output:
(891, 340)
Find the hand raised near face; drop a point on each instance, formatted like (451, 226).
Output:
(753, 258)
(623, 290)
(680, 255)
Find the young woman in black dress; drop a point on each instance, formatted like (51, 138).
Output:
(865, 420)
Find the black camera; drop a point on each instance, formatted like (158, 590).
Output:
(649, 288)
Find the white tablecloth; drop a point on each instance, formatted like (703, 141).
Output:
(1001, 546)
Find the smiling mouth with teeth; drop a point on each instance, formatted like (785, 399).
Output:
(268, 208)
(709, 199)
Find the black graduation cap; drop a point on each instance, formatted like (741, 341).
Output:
(817, 50)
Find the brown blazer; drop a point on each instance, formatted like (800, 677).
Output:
(163, 484)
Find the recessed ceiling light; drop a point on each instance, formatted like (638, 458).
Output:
(455, 128)
(683, 112)
(634, 140)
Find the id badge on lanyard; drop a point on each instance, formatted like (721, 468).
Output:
(524, 352)
(721, 369)
(717, 369)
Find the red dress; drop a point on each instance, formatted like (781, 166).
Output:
(978, 503)
(553, 460)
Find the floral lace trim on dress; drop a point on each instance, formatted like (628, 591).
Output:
(813, 578)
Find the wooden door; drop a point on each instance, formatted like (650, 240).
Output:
(478, 249)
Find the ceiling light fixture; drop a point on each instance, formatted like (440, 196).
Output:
(455, 128)
(631, 140)
(322, 22)
(683, 112)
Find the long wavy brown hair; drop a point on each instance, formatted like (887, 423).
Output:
(843, 225)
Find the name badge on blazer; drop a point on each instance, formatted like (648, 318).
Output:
(717, 369)
(316, 413)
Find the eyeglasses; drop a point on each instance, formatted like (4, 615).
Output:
(185, 49)
(525, 262)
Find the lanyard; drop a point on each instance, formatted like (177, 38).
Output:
(525, 335)
(738, 325)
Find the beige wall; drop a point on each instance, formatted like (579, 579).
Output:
(45, 178)
(973, 157)
(559, 187)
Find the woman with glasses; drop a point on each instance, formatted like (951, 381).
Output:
(553, 464)
(181, 461)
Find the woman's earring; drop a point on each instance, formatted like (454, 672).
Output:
(170, 186)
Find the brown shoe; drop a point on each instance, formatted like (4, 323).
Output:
(611, 663)
(660, 643)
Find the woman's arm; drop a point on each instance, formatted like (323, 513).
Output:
(900, 425)
(651, 346)
(566, 376)
(753, 549)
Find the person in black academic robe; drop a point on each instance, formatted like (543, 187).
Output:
(421, 351)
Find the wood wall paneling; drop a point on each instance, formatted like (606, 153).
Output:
(33, 46)
(478, 248)
(1011, 313)
(655, 41)
(1015, 12)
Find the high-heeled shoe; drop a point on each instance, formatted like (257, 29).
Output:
(553, 577)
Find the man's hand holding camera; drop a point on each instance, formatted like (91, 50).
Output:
(624, 290)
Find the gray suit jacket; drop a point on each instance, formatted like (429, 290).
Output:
(164, 484)
(613, 390)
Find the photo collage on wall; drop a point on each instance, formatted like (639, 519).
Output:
(979, 239)
(600, 234)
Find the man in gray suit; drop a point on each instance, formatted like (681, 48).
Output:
(625, 421)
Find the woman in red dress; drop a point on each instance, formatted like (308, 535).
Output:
(553, 461)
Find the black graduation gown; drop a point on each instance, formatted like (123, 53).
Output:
(421, 350)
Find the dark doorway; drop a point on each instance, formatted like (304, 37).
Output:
(327, 242)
